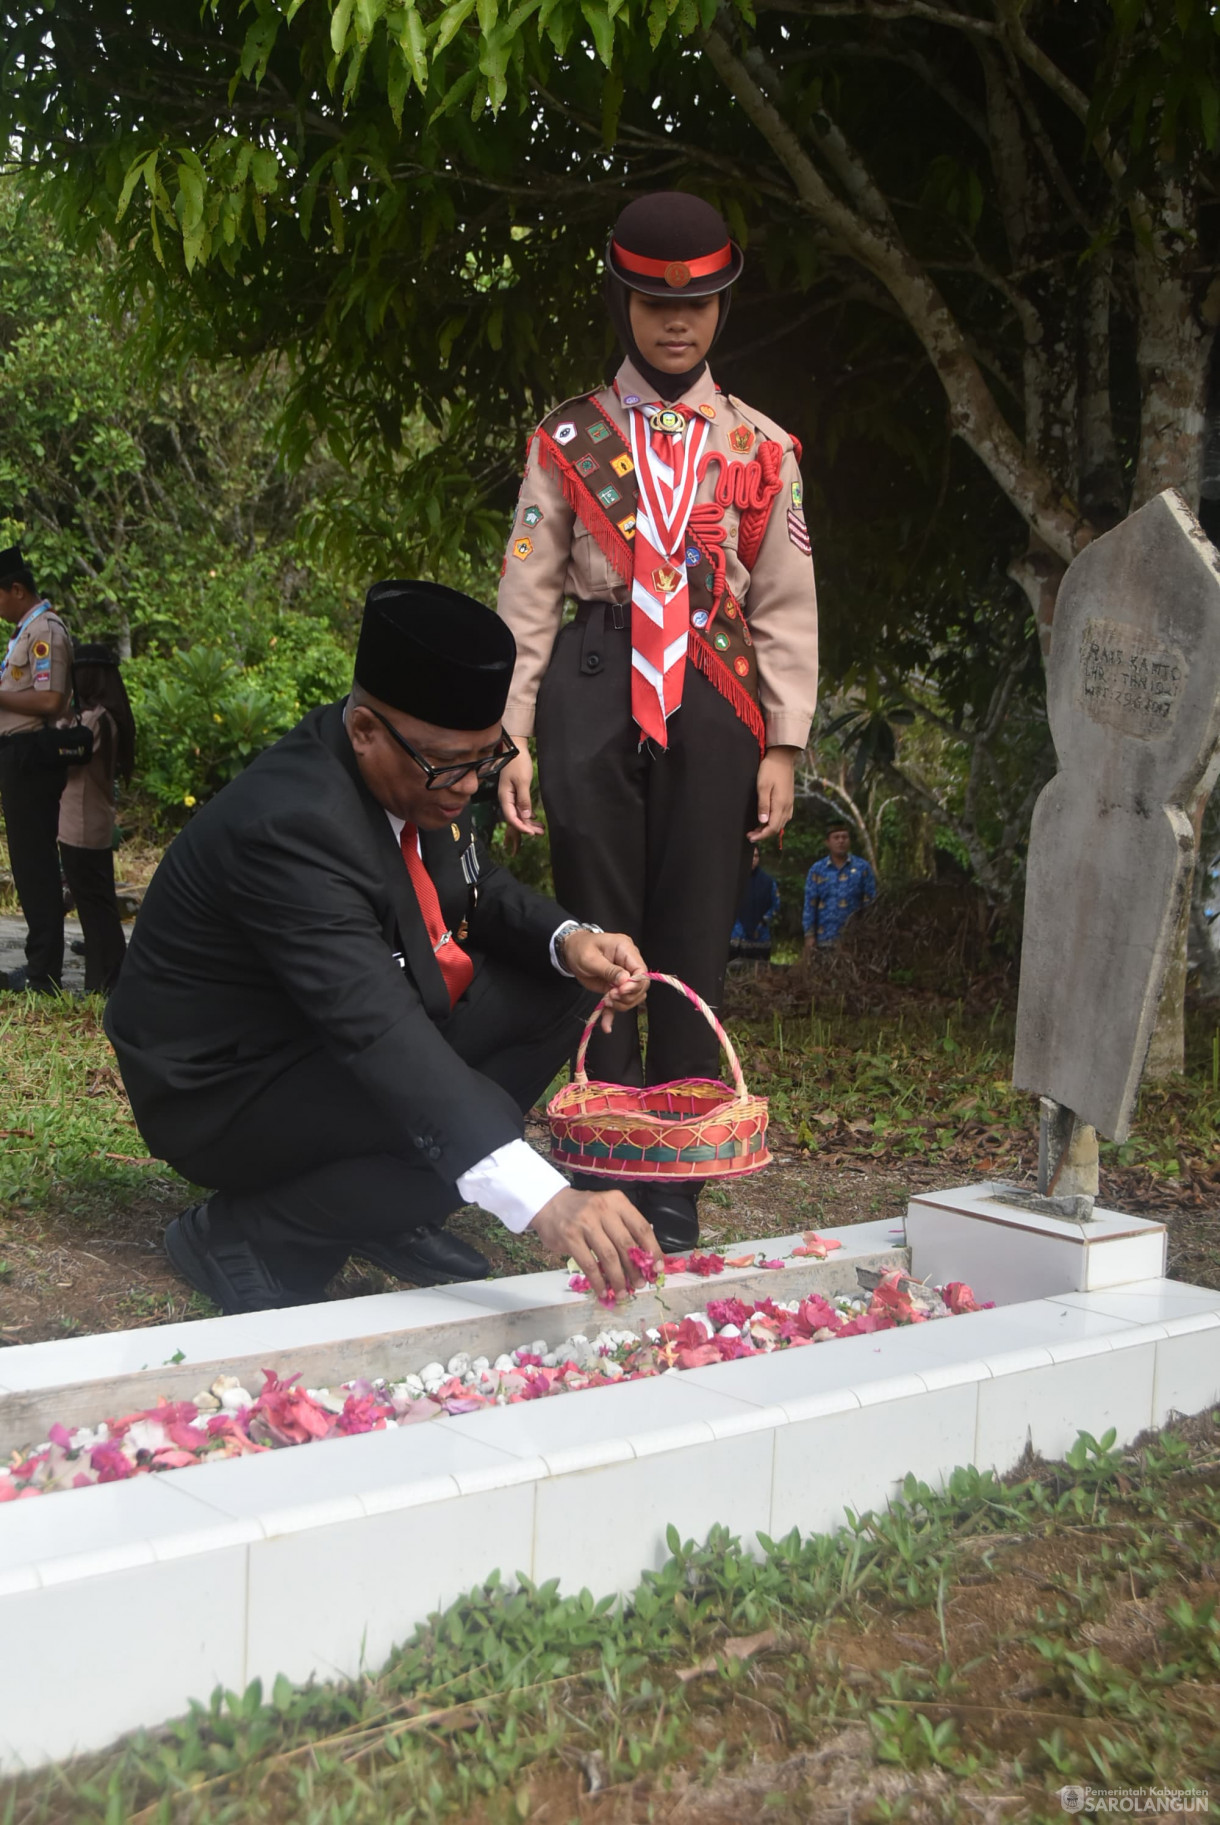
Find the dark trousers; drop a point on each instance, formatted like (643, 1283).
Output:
(646, 841)
(29, 799)
(90, 877)
(310, 1167)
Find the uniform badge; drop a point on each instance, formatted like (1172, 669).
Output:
(741, 439)
(700, 617)
(41, 650)
(720, 642)
(741, 665)
(665, 579)
(730, 611)
(586, 465)
(677, 274)
(798, 532)
(669, 420)
(598, 433)
(522, 548)
(692, 556)
(608, 495)
(531, 516)
(622, 465)
(631, 399)
(627, 526)
(798, 494)
(457, 835)
(16, 671)
(565, 432)
(707, 411)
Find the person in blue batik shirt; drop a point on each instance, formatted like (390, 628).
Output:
(835, 888)
(758, 906)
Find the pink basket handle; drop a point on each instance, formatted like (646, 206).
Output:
(739, 1082)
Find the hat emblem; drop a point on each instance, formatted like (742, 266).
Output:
(677, 274)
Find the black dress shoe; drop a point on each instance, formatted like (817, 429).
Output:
(673, 1211)
(228, 1272)
(429, 1256)
(20, 982)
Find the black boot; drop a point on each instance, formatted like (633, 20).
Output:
(673, 1210)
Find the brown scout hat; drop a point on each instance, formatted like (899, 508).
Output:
(671, 244)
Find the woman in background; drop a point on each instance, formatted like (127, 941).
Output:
(86, 812)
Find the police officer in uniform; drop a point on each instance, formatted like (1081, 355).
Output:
(335, 1009)
(35, 684)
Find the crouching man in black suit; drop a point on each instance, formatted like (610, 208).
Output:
(335, 1009)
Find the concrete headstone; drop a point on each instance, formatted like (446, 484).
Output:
(1133, 695)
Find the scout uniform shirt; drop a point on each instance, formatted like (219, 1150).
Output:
(39, 658)
(86, 806)
(556, 551)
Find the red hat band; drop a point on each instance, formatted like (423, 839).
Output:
(676, 273)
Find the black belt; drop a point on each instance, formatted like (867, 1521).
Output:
(592, 617)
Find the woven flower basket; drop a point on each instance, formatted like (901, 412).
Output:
(692, 1129)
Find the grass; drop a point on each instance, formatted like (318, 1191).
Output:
(961, 1655)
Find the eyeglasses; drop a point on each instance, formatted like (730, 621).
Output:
(437, 778)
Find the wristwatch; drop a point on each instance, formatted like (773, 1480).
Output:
(559, 940)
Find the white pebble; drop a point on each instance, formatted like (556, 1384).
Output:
(234, 1398)
(613, 1370)
(701, 1318)
(503, 1364)
(730, 1330)
(550, 1360)
(539, 1347)
(459, 1364)
(480, 1363)
(432, 1371)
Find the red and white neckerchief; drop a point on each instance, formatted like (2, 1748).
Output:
(666, 444)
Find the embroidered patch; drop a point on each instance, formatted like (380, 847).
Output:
(598, 433)
(708, 411)
(665, 580)
(622, 465)
(522, 548)
(692, 556)
(720, 642)
(586, 465)
(669, 420)
(631, 399)
(700, 617)
(627, 526)
(741, 665)
(709, 580)
(798, 532)
(16, 671)
(798, 494)
(531, 516)
(730, 613)
(565, 432)
(608, 495)
(41, 649)
(741, 439)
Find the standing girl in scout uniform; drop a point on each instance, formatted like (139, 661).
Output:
(34, 689)
(670, 712)
(86, 813)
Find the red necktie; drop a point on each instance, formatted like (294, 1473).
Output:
(455, 965)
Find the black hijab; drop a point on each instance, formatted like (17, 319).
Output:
(666, 386)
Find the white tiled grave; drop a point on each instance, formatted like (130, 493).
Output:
(129, 1599)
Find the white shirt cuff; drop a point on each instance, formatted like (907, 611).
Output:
(513, 1183)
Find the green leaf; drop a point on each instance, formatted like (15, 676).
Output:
(602, 27)
(340, 22)
(135, 171)
(452, 20)
(265, 170)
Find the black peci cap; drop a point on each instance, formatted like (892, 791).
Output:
(670, 244)
(435, 654)
(11, 561)
(87, 652)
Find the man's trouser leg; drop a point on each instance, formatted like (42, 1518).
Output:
(651, 843)
(29, 798)
(311, 1167)
(90, 877)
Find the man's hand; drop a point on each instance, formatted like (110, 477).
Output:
(597, 1228)
(608, 963)
(776, 791)
(515, 783)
